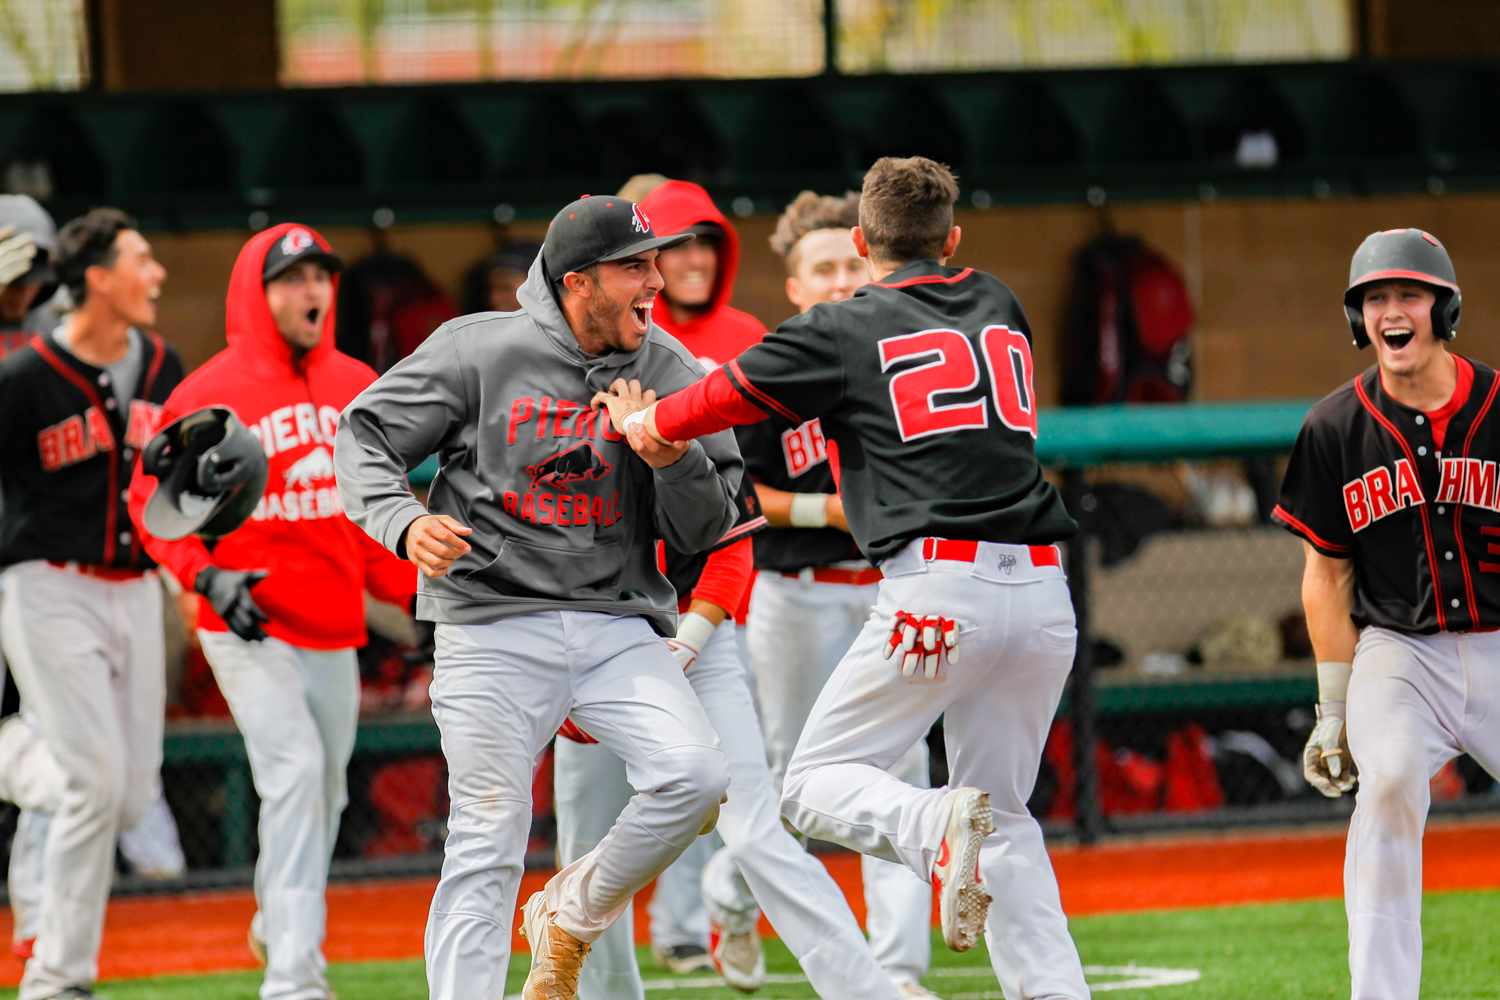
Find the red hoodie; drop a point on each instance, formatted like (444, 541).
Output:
(319, 562)
(715, 336)
(721, 332)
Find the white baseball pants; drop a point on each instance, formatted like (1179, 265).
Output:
(1017, 638)
(799, 630)
(800, 898)
(1415, 703)
(499, 693)
(87, 656)
(297, 710)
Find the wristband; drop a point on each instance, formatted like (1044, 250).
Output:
(1327, 709)
(1333, 680)
(636, 419)
(809, 510)
(695, 630)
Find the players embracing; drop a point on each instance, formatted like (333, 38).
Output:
(922, 383)
(1391, 486)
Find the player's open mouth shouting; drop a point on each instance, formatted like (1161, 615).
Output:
(640, 311)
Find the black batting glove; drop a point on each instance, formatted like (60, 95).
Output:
(228, 593)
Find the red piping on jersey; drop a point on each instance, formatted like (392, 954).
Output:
(1437, 585)
(82, 383)
(1312, 536)
(926, 279)
(760, 397)
(150, 379)
(1458, 516)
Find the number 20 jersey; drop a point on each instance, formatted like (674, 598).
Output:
(923, 386)
(1366, 481)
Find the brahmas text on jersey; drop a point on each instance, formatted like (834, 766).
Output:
(1367, 481)
(68, 450)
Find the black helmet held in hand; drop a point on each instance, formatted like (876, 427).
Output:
(1403, 255)
(211, 473)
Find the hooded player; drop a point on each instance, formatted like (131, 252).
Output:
(1391, 486)
(282, 598)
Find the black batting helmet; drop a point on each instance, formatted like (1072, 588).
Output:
(211, 472)
(1403, 254)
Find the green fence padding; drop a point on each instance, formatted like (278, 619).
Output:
(1081, 436)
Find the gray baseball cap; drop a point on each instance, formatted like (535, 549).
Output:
(22, 212)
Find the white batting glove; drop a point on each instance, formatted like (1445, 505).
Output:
(1326, 761)
(922, 639)
(693, 633)
(17, 250)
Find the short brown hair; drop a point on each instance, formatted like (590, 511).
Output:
(84, 242)
(906, 208)
(808, 213)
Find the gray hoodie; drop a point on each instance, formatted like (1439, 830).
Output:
(565, 515)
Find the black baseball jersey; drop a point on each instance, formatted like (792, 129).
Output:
(922, 384)
(1367, 482)
(684, 569)
(794, 459)
(67, 451)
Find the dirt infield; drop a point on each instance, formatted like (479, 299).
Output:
(205, 932)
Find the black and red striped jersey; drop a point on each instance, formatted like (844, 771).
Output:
(1369, 481)
(67, 452)
(922, 386)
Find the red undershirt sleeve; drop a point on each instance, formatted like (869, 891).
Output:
(711, 404)
(725, 576)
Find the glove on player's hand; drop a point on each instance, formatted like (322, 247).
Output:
(570, 731)
(1326, 761)
(228, 593)
(922, 639)
(17, 250)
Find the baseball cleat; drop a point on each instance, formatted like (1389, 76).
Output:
(257, 946)
(682, 959)
(739, 958)
(23, 947)
(75, 993)
(963, 901)
(910, 989)
(556, 956)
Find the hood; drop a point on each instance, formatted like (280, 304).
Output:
(248, 325)
(673, 207)
(539, 302)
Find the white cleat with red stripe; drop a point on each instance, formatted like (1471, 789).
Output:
(963, 901)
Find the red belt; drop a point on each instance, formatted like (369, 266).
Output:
(961, 551)
(852, 577)
(99, 572)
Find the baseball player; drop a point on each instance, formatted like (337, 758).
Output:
(814, 590)
(923, 383)
(282, 598)
(693, 306)
(1391, 487)
(82, 606)
(539, 564)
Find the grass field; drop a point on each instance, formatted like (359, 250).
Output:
(1278, 951)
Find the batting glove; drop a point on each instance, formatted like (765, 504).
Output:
(1326, 761)
(922, 640)
(228, 593)
(693, 633)
(570, 731)
(17, 250)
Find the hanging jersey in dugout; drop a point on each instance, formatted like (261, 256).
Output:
(922, 384)
(1367, 481)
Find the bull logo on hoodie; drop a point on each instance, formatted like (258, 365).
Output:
(316, 464)
(580, 462)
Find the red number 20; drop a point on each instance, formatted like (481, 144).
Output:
(955, 368)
